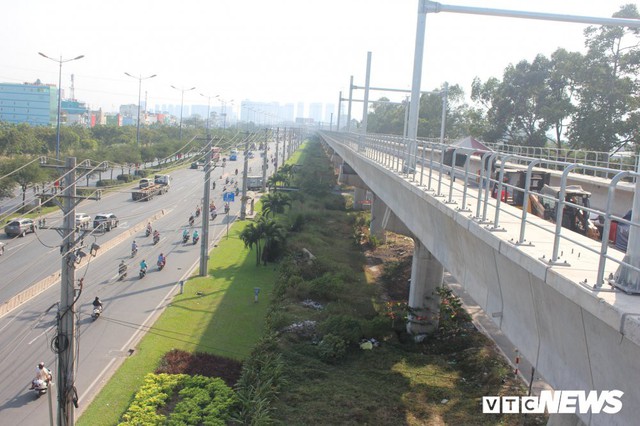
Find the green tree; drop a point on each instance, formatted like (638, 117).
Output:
(25, 172)
(274, 203)
(252, 235)
(274, 235)
(607, 114)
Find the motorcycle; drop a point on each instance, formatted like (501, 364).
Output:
(156, 239)
(191, 220)
(197, 212)
(142, 274)
(134, 251)
(161, 265)
(39, 386)
(97, 310)
(147, 232)
(195, 240)
(122, 274)
(185, 238)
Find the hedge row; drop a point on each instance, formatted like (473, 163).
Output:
(201, 400)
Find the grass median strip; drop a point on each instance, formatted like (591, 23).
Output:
(215, 314)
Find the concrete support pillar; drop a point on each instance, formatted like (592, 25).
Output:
(359, 195)
(427, 274)
(376, 226)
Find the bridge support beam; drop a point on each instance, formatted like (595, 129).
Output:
(376, 226)
(427, 275)
(359, 198)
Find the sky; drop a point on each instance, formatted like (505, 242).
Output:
(285, 51)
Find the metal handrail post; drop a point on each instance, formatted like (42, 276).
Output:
(607, 224)
(525, 199)
(560, 208)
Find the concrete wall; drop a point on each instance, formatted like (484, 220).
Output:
(577, 339)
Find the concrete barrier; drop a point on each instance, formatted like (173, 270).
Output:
(44, 284)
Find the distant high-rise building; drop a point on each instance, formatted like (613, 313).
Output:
(32, 103)
(315, 111)
(300, 110)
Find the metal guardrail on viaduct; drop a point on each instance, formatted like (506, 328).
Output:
(570, 303)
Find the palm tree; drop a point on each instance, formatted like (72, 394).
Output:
(275, 202)
(274, 235)
(250, 235)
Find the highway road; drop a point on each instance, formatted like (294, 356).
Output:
(130, 305)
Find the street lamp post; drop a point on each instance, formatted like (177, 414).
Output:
(60, 62)
(182, 104)
(208, 108)
(139, 78)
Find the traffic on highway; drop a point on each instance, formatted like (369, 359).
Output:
(114, 226)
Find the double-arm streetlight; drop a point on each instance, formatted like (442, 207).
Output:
(60, 62)
(139, 78)
(182, 89)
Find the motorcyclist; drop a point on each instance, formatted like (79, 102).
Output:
(42, 373)
(134, 247)
(143, 265)
(185, 235)
(191, 220)
(195, 235)
(226, 208)
(97, 303)
(236, 172)
(197, 211)
(162, 260)
(214, 213)
(122, 268)
(149, 229)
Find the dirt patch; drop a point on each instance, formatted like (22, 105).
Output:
(389, 265)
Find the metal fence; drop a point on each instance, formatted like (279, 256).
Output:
(424, 166)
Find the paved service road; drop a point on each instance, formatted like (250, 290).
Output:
(130, 305)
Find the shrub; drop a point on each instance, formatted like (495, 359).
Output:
(332, 348)
(126, 178)
(377, 327)
(107, 182)
(298, 223)
(143, 173)
(343, 326)
(326, 287)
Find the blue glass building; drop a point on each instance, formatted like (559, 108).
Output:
(35, 104)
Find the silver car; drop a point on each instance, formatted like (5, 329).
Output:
(19, 227)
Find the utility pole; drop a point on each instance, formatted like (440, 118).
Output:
(243, 200)
(275, 164)
(284, 144)
(204, 243)
(265, 160)
(64, 343)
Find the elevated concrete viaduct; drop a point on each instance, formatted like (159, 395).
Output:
(576, 338)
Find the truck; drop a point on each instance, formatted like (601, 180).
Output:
(254, 182)
(148, 192)
(147, 188)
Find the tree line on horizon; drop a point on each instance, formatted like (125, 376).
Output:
(587, 101)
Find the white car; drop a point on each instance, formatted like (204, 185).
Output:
(83, 220)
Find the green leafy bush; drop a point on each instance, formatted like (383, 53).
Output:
(142, 173)
(201, 400)
(343, 326)
(107, 182)
(332, 348)
(126, 178)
